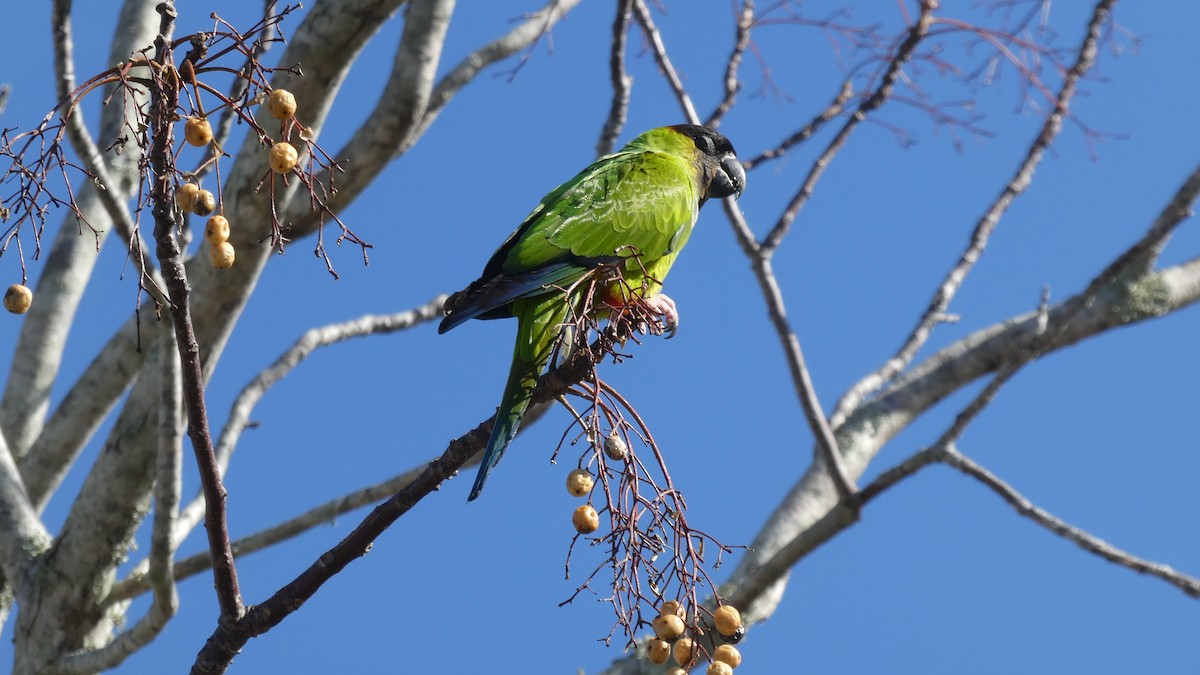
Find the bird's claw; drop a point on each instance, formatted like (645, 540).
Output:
(666, 316)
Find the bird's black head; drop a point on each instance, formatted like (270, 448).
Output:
(728, 178)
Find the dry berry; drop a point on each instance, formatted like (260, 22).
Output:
(728, 619)
(185, 196)
(668, 627)
(205, 203)
(197, 131)
(282, 104)
(586, 519)
(719, 668)
(685, 651)
(18, 298)
(614, 446)
(658, 651)
(728, 654)
(284, 157)
(671, 607)
(217, 230)
(579, 483)
(221, 256)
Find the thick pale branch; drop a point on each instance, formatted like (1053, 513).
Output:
(161, 578)
(392, 126)
(501, 48)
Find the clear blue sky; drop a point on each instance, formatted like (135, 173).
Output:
(939, 577)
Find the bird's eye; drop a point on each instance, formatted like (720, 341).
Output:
(705, 144)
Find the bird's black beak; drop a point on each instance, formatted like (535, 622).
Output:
(730, 180)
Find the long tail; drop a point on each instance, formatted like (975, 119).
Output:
(539, 325)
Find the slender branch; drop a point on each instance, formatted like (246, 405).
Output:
(316, 338)
(835, 108)
(1084, 540)
(618, 111)
(231, 636)
(987, 224)
(164, 99)
(664, 61)
(827, 445)
(741, 40)
(916, 33)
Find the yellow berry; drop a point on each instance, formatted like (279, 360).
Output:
(668, 627)
(185, 196)
(728, 654)
(579, 483)
(197, 131)
(217, 230)
(671, 607)
(685, 651)
(677, 671)
(728, 619)
(18, 298)
(614, 446)
(221, 256)
(284, 157)
(586, 519)
(205, 203)
(282, 104)
(719, 668)
(658, 651)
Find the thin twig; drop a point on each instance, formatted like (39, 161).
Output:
(1084, 540)
(664, 61)
(741, 40)
(231, 636)
(916, 33)
(987, 224)
(316, 338)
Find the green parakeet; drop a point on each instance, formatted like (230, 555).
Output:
(634, 208)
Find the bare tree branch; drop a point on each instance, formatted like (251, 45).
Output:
(167, 488)
(664, 62)
(1084, 540)
(243, 405)
(501, 48)
(987, 224)
(393, 125)
(916, 33)
(745, 21)
(618, 110)
(69, 265)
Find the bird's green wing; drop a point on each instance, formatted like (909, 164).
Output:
(641, 202)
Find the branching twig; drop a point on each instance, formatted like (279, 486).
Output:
(986, 225)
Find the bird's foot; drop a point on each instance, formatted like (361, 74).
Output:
(664, 315)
